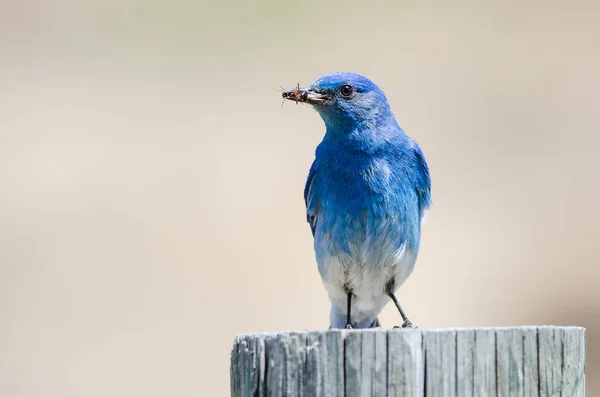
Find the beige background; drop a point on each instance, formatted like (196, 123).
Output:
(151, 182)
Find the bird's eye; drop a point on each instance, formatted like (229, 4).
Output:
(347, 90)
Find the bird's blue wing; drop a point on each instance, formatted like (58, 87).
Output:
(423, 180)
(311, 215)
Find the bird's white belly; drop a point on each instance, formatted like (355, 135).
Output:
(366, 270)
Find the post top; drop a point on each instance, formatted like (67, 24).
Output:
(520, 328)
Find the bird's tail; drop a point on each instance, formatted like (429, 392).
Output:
(375, 324)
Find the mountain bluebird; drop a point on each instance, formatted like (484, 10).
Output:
(365, 197)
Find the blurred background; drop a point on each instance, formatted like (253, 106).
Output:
(151, 181)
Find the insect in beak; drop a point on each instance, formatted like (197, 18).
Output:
(304, 95)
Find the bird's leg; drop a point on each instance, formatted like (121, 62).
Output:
(348, 306)
(390, 292)
(406, 322)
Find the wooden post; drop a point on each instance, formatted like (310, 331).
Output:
(479, 362)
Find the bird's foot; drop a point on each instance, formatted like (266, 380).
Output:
(406, 324)
(348, 326)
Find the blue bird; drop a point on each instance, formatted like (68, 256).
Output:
(366, 194)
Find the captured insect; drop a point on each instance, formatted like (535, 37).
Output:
(296, 95)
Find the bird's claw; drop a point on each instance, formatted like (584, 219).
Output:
(406, 324)
(348, 326)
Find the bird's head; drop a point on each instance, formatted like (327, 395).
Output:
(344, 100)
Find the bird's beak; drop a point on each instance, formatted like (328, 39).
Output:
(305, 95)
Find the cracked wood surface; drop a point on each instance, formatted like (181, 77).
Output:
(543, 361)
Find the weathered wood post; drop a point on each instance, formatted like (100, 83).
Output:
(479, 362)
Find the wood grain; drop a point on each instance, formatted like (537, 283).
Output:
(478, 362)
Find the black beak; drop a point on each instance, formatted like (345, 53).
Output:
(305, 95)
